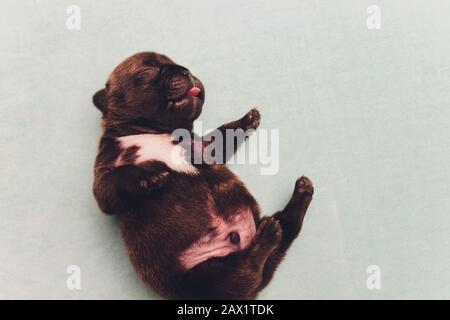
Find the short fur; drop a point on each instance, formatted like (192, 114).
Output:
(161, 211)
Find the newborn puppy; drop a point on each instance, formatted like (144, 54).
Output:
(192, 231)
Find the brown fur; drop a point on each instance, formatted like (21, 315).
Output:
(161, 212)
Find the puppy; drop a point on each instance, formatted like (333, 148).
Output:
(192, 231)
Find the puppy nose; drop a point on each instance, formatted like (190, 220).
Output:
(193, 92)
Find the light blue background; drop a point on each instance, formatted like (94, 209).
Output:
(364, 113)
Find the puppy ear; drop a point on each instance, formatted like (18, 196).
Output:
(99, 100)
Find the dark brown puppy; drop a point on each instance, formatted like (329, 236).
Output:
(191, 230)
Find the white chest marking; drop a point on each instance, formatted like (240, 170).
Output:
(158, 147)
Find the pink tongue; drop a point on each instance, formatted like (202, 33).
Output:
(193, 92)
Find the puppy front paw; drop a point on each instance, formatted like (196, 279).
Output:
(152, 182)
(303, 186)
(251, 120)
(136, 181)
(269, 232)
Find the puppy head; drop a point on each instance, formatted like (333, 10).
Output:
(150, 89)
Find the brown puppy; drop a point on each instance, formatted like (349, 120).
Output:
(191, 230)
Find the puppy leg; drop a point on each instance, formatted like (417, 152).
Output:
(239, 275)
(291, 220)
(117, 189)
(242, 128)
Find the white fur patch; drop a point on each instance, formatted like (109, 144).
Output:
(217, 243)
(158, 147)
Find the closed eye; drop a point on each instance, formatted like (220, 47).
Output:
(149, 73)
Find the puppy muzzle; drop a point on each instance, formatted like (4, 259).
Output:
(178, 82)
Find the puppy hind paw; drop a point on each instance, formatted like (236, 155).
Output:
(269, 231)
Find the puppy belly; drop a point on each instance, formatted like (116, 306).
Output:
(227, 236)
